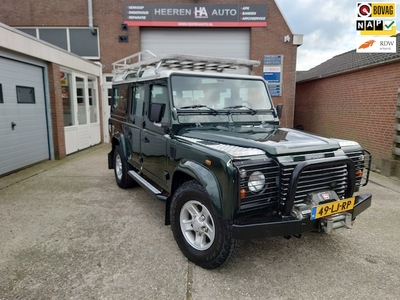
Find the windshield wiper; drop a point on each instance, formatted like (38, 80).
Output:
(200, 106)
(253, 111)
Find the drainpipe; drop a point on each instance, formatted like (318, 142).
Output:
(90, 12)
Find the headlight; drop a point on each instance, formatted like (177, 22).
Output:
(256, 182)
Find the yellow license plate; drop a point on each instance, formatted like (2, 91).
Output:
(332, 208)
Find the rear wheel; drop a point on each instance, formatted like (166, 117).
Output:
(203, 237)
(121, 168)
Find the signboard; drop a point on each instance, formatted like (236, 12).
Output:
(273, 60)
(195, 15)
(275, 90)
(272, 73)
(376, 27)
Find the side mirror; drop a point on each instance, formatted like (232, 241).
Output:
(279, 109)
(156, 112)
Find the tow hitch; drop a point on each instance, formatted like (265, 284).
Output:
(330, 223)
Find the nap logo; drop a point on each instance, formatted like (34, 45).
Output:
(376, 27)
(369, 24)
(200, 12)
(376, 10)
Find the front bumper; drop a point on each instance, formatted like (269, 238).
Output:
(287, 226)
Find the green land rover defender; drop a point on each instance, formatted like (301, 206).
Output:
(205, 138)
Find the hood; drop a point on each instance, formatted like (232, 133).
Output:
(249, 140)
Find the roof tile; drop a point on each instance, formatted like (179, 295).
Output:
(348, 61)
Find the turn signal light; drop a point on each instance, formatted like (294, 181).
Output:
(359, 173)
(242, 193)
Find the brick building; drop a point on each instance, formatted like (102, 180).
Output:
(33, 103)
(106, 31)
(355, 96)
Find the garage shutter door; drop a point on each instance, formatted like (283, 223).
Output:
(23, 104)
(220, 42)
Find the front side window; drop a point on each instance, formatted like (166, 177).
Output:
(159, 94)
(138, 100)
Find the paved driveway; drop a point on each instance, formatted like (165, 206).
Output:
(68, 232)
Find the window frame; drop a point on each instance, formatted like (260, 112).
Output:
(115, 104)
(1, 93)
(31, 89)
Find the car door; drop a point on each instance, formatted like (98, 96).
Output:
(154, 137)
(138, 92)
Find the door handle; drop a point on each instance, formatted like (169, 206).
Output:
(13, 125)
(146, 140)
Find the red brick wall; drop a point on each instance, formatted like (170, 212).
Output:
(108, 17)
(269, 41)
(358, 106)
(57, 116)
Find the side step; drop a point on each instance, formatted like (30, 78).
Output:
(147, 185)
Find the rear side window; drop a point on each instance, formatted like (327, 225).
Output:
(120, 98)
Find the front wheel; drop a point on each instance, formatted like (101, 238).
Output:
(203, 237)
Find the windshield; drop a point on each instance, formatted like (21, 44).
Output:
(200, 92)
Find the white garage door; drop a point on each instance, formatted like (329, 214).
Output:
(23, 124)
(220, 42)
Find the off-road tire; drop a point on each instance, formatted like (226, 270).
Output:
(191, 213)
(121, 168)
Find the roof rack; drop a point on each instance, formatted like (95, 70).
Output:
(123, 69)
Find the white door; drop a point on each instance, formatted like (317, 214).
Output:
(107, 93)
(94, 118)
(219, 42)
(82, 102)
(81, 113)
(23, 121)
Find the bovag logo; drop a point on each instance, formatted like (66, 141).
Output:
(376, 10)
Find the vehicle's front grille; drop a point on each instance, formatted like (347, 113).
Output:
(268, 195)
(315, 179)
(324, 177)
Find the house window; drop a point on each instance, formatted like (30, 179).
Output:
(1, 93)
(25, 94)
(81, 41)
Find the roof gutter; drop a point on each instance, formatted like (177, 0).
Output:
(90, 13)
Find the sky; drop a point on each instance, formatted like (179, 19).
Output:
(328, 27)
